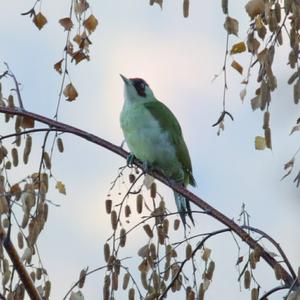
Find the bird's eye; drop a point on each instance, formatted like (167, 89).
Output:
(142, 85)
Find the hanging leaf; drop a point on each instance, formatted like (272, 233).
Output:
(27, 122)
(90, 23)
(39, 20)
(66, 23)
(260, 143)
(61, 187)
(57, 66)
(254, 8)
(70, 92)
(243, 93)
(231, 26)
(238, 48)
(237, 67)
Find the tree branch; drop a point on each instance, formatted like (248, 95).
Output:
(286, 277)
(19, 266)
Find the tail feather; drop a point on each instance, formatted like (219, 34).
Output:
(183, 206)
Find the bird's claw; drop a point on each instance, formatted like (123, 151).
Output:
(129, 160)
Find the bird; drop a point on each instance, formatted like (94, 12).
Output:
(154, 136)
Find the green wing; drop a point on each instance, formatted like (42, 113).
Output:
(170, 124)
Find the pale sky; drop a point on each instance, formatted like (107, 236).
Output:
(178, 58)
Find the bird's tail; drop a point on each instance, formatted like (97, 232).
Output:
(183, 206)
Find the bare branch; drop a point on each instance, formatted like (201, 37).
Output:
(286, 277)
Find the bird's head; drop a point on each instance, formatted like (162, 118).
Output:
(137, 90)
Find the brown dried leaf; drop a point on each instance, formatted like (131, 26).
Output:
(78, 56)
(27, 122)
(237, 67)
(238, 48)
(254, 8)
(66, 23)
(159, 2)
(70, 92)
(90, 23)
(231, 25)
(58, 67)
(39, 20)
(81, 7)
(61, 187)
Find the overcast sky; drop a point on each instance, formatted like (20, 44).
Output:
(178, 58)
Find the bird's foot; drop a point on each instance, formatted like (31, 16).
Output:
(129, 160)
(147, 167)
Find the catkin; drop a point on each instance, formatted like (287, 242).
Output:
(206, 254)
(20, 240)
(47, 160)
(106, 251)
(266, 120)
(166, 226)
(201, 292)
(60, 145)
(131, 178)
(268, 138)
(108, 205)
(153, 190)
(47, 289)
(148, 230)
(254, 294)
(139, 203)
(114, 220)
(122, 237)
(15, 157)
(247, 279)
(127, 211)
(210, 270)
(82, 277)
(176, 224)
(125, 280)
(188, 251)
(131, 294)
(225, 6)
(277, 271)
(186, 5)
(114, 281)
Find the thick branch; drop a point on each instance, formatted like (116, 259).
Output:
(19, 266)
(286, 277)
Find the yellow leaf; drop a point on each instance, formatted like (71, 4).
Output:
(57, 66)
(90, 23)
(66, 23)
(61, 187)
(260, 143)
(39, 20)
(237, 67)
(231, 25)
(238, 48)
(70, 92)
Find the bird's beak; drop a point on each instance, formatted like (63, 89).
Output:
(126, 80)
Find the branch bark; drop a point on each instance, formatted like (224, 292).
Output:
(19, 266)
(286, 276)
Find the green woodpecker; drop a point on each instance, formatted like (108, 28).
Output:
(154, 136)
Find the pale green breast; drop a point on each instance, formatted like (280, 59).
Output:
(148, 142)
